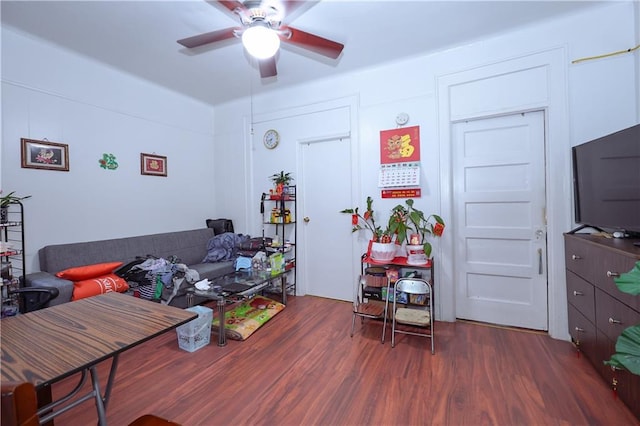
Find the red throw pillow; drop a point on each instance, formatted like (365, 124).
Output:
(95, 286)
(80, 273)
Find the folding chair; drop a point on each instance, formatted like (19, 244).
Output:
(416, 297)
(370, 310)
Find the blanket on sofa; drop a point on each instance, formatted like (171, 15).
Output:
(224, 247)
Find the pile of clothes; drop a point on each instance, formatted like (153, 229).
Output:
(157, 278)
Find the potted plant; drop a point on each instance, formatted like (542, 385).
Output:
(380, 245)
(627, 354)
(365, 220)
(410, 224)
(5, 200)
(281, 180)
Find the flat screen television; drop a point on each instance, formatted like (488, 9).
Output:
(606, 177)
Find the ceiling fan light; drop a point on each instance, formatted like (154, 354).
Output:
(260, 41)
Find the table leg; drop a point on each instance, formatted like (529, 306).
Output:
(44, 398)
(284, 288)
(222, 338)
(110, 380)
(46, 412)
(102, 415)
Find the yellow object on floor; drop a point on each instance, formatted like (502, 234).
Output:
(243, 320)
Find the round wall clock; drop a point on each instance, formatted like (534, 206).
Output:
(402, 119)
(271, 138)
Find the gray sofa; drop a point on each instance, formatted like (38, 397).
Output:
(188, 246)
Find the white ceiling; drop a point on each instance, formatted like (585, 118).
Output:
(139, 37)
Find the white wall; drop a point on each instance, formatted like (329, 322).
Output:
(55, 94)
(593, 98)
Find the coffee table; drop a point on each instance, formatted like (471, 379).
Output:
(236, 286)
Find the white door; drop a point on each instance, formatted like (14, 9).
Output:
(499, 220)
(326, 177)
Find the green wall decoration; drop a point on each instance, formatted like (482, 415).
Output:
(108, 162)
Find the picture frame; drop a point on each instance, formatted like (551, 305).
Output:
(153, 165)
(45, 155)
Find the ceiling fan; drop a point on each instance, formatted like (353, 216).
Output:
(262, 23)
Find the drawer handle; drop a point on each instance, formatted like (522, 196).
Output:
(578, 293)
(614, 321)
(580, 330)
(575, 257)
(612, 274)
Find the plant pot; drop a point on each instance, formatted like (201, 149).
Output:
(416, 255)
(4, 214)
(383, 252)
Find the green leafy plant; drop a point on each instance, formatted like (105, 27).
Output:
(627, 353)
(366, 221)
(5, 200)
(406, 220)
(281, 178)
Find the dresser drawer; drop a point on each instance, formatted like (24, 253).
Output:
(583, 333)
(608, 266)
(627, 384)
(580, 294)
(579, 257)
(613, 316)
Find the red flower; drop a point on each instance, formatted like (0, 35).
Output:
(354, 219)
(367, 215)
(438, 229)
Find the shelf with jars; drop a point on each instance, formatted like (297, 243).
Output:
(279, 224)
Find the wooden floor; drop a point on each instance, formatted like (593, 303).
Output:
(302, 368)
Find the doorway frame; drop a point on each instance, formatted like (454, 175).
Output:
(550, 67)
(352, 102)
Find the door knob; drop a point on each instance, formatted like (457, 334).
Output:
(306, 219)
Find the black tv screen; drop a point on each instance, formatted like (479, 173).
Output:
(606, 174)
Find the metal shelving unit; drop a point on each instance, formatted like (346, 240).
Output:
(13, 264)
(279, 223)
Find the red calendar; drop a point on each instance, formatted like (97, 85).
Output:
(399, 157)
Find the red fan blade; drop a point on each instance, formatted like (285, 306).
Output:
(267, 67)
(313, 42)
(206, 38)
(231, 5)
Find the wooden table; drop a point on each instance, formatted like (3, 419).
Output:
(45, 346)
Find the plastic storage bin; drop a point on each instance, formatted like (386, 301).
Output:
(196, 333)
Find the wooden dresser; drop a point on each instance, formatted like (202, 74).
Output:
(598, 311)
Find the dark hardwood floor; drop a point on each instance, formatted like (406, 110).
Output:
(302, 368)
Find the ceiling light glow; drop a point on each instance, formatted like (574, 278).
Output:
(260, 41)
